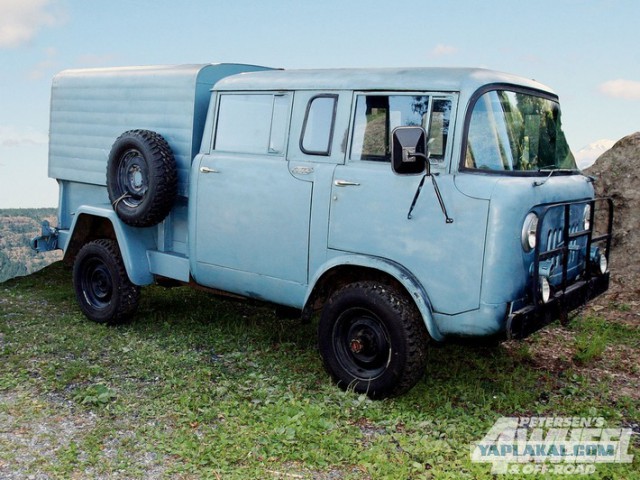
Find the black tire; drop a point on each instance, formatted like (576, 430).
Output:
(372, 339)
(103, 289)
(142, 178)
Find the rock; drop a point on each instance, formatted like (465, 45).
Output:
(617, 174)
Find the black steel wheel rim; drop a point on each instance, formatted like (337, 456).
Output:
(132, 178)
(97, 283)
(361, 343)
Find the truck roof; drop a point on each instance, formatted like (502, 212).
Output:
(408, 79)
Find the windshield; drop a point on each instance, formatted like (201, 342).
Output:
(516, 132)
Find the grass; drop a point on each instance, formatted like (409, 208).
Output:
(590, 345)
(200, 387)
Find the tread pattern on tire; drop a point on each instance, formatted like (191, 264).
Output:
(128, 294)
(163, 170)
(414, 332)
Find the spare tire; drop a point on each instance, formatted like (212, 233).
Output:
(142, 178)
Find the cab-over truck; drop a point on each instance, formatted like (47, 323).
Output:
(403, 205)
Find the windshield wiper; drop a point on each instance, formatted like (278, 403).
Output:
(551, 171)
(559, 170)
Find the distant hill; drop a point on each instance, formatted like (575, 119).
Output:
(586, 156)
(17, 227)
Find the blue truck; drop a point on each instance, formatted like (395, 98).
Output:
(399, 205)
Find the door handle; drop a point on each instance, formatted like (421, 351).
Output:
(208, 170)
(345, 183)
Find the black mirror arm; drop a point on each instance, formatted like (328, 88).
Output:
(448, 219)
(426, 161)
(427, 173)
(415, 197)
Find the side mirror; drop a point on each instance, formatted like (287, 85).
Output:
(409, 151)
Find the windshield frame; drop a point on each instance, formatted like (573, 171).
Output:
(508, 87)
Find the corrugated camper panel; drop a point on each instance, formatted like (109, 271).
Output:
(90, 108)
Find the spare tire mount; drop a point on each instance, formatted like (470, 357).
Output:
(142, 178)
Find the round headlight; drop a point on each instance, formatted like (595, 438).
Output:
(529, 229)
(545, 289)
(586, 219)
(603, 264)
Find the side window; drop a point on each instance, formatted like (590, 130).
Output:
(439, 129)
(317, 131)
(377, 115)
(371, 129)
(252, 123)
(279, 122)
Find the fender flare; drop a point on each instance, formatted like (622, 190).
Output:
(398, 272)
(133, 242)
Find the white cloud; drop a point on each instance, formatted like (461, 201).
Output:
(20, 20)
(626, 89)
(13, 137)
(442, 50)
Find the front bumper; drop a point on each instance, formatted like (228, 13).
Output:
(566, 248)
(531, 318)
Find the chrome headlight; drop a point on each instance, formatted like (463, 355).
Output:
(599, 263)
(586, 219)
(603, 264)
(529, 230)
(545, 289)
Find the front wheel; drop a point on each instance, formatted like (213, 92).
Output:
(372, 340)
(103, 289)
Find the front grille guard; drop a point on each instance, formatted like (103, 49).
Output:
(562, 251)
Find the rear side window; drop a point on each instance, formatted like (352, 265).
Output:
(252, 123)
(317, 131)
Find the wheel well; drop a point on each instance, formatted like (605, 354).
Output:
(87, 229)
(343, 275)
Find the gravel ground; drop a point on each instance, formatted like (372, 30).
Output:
(38, 429)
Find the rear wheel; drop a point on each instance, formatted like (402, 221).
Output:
(103, 289)
(372, 340)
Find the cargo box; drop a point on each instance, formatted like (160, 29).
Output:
(90, 108)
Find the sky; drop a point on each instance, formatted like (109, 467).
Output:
(586, 50)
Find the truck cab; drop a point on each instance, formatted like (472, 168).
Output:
(402, 205)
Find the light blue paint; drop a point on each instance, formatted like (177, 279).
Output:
(133, 242)
(399, 272)
(269, 220)
(90, 108)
